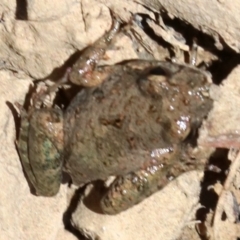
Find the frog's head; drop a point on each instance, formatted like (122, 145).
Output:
(184, 91)
(176, 83)
(192, 86)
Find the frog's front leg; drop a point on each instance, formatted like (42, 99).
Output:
(82, 72)
(40, 147)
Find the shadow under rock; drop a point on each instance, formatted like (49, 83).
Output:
(67, 216)
(208, 197)
(91, 201)
(228, 59)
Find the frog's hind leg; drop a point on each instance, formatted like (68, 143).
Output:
(22, 145)
(82, 72)
(126, 191)
(40, 149)
(129, 190)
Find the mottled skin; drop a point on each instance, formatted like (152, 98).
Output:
(40, 147)
(133, 125)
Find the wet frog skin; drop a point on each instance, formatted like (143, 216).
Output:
(132, 125)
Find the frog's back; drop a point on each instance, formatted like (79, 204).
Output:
(111, 129)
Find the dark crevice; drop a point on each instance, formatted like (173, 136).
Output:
(208, 197)
(21, 10)
(68, 214)
(149, 31)
(227, 58)
(219, 159)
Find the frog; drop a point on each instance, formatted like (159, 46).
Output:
(131, 121)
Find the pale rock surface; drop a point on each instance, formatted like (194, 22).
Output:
(161, 216)
(40, 40)
(218, 18)
(222, 128)
(22, 215)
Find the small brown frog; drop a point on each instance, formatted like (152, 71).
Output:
(132, 125)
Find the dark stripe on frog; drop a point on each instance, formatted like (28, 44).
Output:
(22, 146)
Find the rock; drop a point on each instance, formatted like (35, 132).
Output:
(161, 216)
(22, 215)
(205, 16)
(226, 132)
(36, 39)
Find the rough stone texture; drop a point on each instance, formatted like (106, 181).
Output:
(219, 19)
(36, 40)
(222, 126)
(161, 216)
(22, 215)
